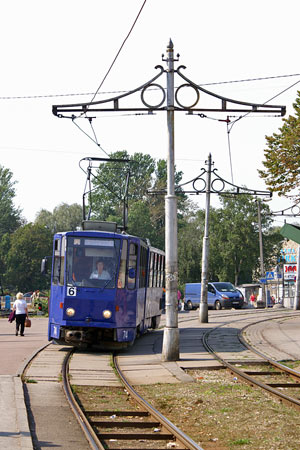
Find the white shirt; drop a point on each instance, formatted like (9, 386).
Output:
(20, 306)
(103, 276)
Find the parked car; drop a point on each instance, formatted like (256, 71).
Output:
(219, 295)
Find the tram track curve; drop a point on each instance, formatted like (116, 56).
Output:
(252, 377)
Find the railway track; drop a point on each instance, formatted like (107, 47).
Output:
(141, 427)
(276, 378)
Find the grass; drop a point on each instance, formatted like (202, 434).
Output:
(30, 380)
(216, 411)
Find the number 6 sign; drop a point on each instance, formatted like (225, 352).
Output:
(71, 291)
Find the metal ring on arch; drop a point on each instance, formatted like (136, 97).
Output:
(147, 104)
(195, 89)
(295, 210)
(222, 186)
(204, 185)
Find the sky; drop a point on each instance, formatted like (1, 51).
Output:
(52, 50)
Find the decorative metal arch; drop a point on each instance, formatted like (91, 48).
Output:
(218, 185)
(226, 105)
(291, 211)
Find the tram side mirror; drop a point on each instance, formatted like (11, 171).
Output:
(44, 266)
(131, 273)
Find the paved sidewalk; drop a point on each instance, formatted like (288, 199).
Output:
(14, 352)
(14, 432)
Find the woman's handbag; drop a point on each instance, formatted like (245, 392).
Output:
(27, 323)
(12, 316)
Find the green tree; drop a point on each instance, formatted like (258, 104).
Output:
(63, 218)
(28, 245)
(109, 184)
(10, 216)
(146, 213)
(190, 236)
(233, 239)
(282, 157)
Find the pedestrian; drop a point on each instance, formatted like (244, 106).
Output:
(7, 302)
(252, 300)
(179, 300)
(20, 306)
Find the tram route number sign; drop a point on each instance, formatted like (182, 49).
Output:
(71, 291)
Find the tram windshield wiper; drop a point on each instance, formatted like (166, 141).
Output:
(108, 281)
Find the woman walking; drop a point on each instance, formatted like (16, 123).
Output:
(20, 306)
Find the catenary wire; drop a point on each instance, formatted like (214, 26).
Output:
(104, 78)
(118, 52)
(229, 128)
(30, 97)
(93, 140)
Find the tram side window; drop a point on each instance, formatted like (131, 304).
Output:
(132, 264)
(59, 263)
(142, 268)
(62, 261)
(150, 284)
(159, 271)
(162, 282)
(155, 270)
(56, 265)
(122, 271)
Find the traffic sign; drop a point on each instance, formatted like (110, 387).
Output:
(263, 280)
(270, 275)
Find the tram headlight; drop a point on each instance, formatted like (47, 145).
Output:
(106, 314)
(70, 312)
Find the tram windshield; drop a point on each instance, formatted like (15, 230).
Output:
(92, 262)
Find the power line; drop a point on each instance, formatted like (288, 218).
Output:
(119, 51)
(229, 128)
(29, 97)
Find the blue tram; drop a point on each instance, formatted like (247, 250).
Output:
(106, 287)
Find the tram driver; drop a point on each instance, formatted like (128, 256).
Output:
(100, 273)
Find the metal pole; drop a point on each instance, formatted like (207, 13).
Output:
(261, 253)
(203, 309)
(170, 348)
(297, 292)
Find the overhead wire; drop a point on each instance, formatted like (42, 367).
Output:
(229, 128)
(118, 52)
(104, 78)
(30, 97)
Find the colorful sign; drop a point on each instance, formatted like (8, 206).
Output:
(289, 255)
(290, 271)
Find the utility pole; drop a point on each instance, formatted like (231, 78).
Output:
(203, 308)
(170, 103)
(261, 253)
(170, 348)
